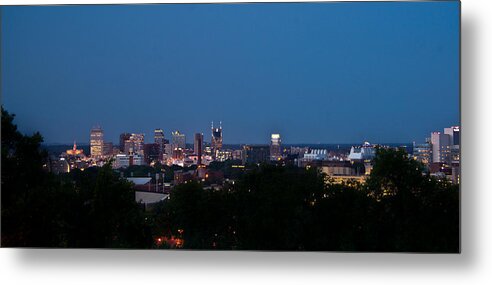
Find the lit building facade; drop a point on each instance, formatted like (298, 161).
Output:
(454, 134)
(216, 140)
(121, 161)
(441, 147)
(422, 153)
(316, 154)
(97, 142)
(223, 155)
(125, 160)
(275, 147)
(74, 151)
(135, 144)
(178, 140)
(454, 138)
(365, 152)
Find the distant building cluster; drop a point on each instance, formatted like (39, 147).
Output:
(440, 156)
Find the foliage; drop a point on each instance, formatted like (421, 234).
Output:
(93, 208)
(289, 208)
(269, 207)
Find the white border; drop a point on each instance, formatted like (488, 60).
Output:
(473, 266)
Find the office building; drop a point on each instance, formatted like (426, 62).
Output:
(223, 155)
(216, 140)
(422, 153)
(178, 140)
(151, 153)
(198, 147)
(256, 154)
(454, 134)
(275, 147)
(441, 147)
(96, 142)
(159, 140)
(108, 149)
(454, 138)
(135, 144)
(123, 138)
(121, 161)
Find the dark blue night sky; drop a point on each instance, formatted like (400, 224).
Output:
(315, 73)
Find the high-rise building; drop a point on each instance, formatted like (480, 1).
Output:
(159, 140)
(108, 148)
(124, 137)
(151, 152)
(216, 141)
(135, 144)
(97, 142)
(255, 154)
(198, 147)
(454, 133)
(138, 143)
(441, 147)
(422, 153)
(275, 147)
(178, 140)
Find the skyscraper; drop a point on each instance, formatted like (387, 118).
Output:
(275, 147)
(134, 144)
(178, 140)
(216, 141)
(107, 148)
(198, 147)
(159, 140)
(151, 153)
(454, 133)
(441, 147)
(124, 137)
(97, 142)
(256, 154)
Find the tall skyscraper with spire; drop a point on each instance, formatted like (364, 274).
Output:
(216, 141)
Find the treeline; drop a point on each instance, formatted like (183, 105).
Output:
(267, 208)
(92, 208)
(289, 208)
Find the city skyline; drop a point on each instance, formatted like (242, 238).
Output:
(314, 72)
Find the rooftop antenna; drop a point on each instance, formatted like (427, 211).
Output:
(212, 124)
(220, 124)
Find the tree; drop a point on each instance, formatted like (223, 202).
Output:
(414, 211)
(93, 208)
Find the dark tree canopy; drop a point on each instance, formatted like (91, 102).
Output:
(269, 207)
(93, 208)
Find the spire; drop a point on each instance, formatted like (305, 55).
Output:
(74, 145)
